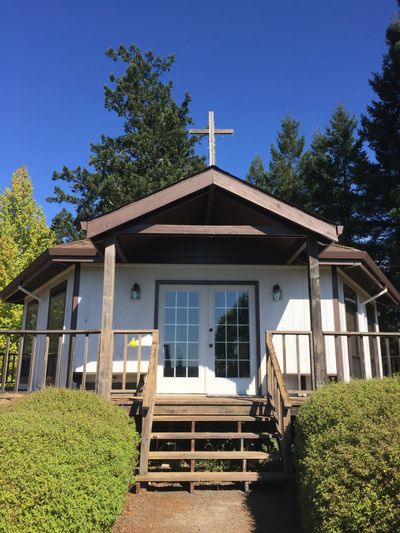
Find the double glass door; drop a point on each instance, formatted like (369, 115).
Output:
(208, 339)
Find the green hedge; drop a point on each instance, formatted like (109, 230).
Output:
(66, 462)
(347, 450)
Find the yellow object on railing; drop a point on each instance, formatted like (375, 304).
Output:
(146, 340)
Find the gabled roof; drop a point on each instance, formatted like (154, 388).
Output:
(212, 177)
(234, 202)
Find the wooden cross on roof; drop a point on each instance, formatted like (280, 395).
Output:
(211, 132)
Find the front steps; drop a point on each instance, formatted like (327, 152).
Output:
(201, 439)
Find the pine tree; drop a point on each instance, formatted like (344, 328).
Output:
(285, 167)
(381, 130)
(257, 174)
(154, 149)
(24, 235)
(335, 169)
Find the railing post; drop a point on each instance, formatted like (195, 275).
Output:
(388, 358)
(149, 395)
(5, 364)
(32, 362)
(104, 380)
(19, 362)
(319, 362)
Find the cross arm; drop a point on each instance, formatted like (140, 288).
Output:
(204, 131)
(226, 131)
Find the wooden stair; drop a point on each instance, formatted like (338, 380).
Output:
(191, 436)
(211, 439)
(210, 477)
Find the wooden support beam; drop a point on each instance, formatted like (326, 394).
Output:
(210, 229)
(104, 374)
(318, 344)
(296, 253)
(120, 251)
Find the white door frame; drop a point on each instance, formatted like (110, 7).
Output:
(232, 386)
(183, 385)
(206, 383)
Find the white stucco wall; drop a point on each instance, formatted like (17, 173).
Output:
(291, 313)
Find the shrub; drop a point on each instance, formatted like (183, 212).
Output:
(66, 461)
(347, 450)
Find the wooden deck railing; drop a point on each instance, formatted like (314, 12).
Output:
(69, 358)
(295, 350)
(133, 367)
(45, 357)
(303, 381)
(384, 343)
(280, 401)
(148, 403)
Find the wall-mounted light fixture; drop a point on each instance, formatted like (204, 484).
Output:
(136, 291)
(276, 293)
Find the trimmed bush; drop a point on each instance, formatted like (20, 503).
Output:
(347, 450)
(66, 462)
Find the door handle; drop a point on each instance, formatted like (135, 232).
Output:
(211, 330)
(211, 345)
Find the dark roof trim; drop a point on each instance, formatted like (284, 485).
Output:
(342, 253)
(208, 177)
(58, 258)
(63, 255)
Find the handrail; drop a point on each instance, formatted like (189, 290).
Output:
(362, 333)
(150, 385)
(48, 331)
(339, 333)
(281, 403)
(148, 403)
(277, 371)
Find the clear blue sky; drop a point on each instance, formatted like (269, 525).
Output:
(250, 61)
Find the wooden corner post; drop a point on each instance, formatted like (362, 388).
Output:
(104, 371)
(318, 344)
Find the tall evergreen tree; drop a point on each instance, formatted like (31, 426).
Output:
(24, 235)
(381, 130)
(285, 167)
(335, 169)
(257, 174)
(153, 150)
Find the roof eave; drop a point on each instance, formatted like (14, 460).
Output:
(194, 183)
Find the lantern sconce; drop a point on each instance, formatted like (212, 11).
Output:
(136, 291)
(276, 293)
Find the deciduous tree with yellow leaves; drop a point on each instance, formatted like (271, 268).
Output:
(24, 234)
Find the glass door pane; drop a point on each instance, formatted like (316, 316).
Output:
(232, 334)
(181, 333)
